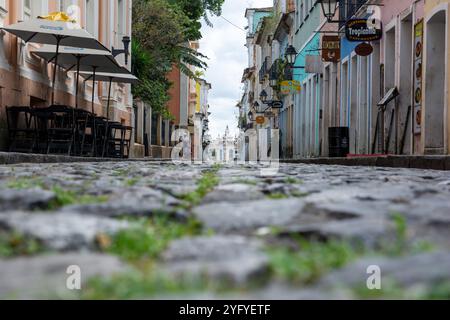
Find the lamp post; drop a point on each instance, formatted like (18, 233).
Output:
(126, 49)
(329, 8)
(263, 96)
(291, 55)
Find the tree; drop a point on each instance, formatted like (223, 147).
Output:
(162, 30)
(195, 10)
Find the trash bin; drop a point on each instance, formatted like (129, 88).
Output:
(339, 142)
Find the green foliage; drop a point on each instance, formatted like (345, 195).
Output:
(25, 183)
(277, 196)
(67, 197)
(205, 184)
(15, 244)
(311, 260)
(138, 285)
(149, 237)
(161, 31)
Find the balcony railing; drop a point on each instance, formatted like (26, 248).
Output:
(264, 70)
(347, 9)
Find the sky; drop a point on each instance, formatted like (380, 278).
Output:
(224, 46)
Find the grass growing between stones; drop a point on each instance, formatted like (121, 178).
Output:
(311, 260)
(138, 285)
(67, 197)
(149, 237)
(392, 290)
(25, 183)
(13, 244)
(208, 181)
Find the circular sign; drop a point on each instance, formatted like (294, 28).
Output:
(418, 95)
(364, 49)
(419, 71)
(418, 49)
(419, 117)
(260, 120)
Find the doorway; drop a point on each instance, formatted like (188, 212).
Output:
(435, 100)
(354, 105)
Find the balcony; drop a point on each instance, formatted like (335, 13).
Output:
(348, 9)
(264, 70)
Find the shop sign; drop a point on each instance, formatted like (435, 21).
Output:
(331, 48)
(290, 87)
(364, 49)
(260, 120)
(269, 114)
(358, 30)
(418, 73)
(314, 64)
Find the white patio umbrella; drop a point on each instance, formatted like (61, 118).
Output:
(123, 76)
(58, 33)
(88, 60)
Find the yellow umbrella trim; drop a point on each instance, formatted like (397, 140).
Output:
(58, 16)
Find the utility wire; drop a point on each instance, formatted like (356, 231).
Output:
(234, 25)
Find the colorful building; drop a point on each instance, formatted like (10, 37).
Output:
(25, 80)
(435, 128)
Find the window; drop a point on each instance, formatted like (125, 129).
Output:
(90, 16)
(64, 5)
(27, 9)
(121, 28)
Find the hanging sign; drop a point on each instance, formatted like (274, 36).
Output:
(357, 30)
(289, 87)
(331, 48)
(260, 120)
(418, 73)
(364, 49)
(314, 64)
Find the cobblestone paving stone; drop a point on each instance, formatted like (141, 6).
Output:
(310, 231)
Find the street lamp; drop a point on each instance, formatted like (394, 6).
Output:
(250, 116)
(329, 8)
(290, 55)
(263, 96)
(126, 49)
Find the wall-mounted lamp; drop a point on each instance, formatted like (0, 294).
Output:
(126, 49)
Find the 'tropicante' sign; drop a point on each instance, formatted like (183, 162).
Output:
(357, 30)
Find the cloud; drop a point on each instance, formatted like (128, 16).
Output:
(224, 44)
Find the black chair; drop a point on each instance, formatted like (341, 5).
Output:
(118, 141)
(61, 129)
(82, 120)
(22, 129)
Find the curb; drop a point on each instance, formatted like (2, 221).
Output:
(413, 162)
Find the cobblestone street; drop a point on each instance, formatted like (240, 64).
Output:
(157, 230)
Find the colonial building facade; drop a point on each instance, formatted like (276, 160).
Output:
(391, 100)
(25, 79)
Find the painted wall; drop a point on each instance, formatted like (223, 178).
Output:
(432, 66)
(25, 80)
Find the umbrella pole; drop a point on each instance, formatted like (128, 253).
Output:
(93, 88)
(107, 117)
(94, 127)
(78, 81)
(58, 41)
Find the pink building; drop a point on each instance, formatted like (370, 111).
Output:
(25, 79)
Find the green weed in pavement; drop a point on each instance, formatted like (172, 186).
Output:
(311, 260)
(67, 197)
(149, 237)
(208, 181)
(138, 285)
(14, 244)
